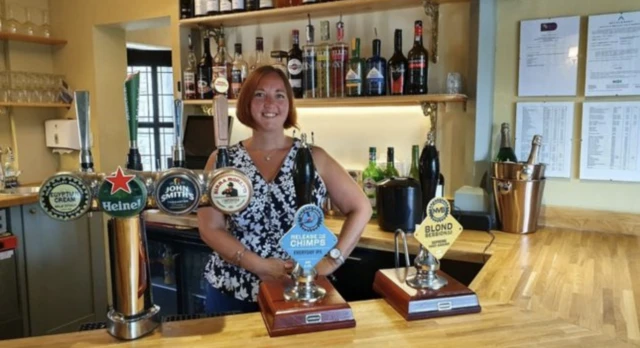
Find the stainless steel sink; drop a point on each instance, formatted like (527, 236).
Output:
(20, 191)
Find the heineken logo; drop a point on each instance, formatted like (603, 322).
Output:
(122, 195)
(65, 197)
(177, 193)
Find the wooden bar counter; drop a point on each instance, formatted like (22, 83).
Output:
(556, 287)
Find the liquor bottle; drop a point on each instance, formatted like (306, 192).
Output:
(370, 177)
(294, 66)
(189, 74)
(225, 6)
(375, 83)
(353, 78)
(309, 75)
(239, 71)
(323, 62)
(506, 153)
(418, 64)
(429, 168)
(265, 4)
(339, 62)
(221, 69)
(200, 8)
(238, 6)
(390, 170)
(252, 5)
(280, 58)
(414, 172)
(205, 73)
(259, 54)
(398, 67)
(212, 7)
(536, 143)
(186, 9)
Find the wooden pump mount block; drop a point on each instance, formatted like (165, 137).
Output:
(453, 299)
(283, 317)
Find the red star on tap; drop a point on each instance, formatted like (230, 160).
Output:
(119, 181)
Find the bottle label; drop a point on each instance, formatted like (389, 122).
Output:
(374, 74)
(369, 187)
(417, 63)
(203, 86)
(352, 78)
(397, 79)
(237, 5)
(220, 82)
(294, 66)
(309, 69)
(189, 84)
(225, 6)
(200, 7)
(236, 81)
(213, 6)
(375, 82)
(266, 3)
(322, 69)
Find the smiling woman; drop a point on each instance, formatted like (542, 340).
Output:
(246, 244)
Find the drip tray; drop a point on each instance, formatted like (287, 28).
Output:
(98, 325)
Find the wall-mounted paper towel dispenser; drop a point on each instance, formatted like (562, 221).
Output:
(62, 134)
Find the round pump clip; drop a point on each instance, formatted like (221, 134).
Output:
(178, 191)
(229, 190)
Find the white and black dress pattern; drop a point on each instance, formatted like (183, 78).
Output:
(260, 226)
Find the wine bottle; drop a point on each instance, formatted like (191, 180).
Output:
(353, 79)
(418, 64)
(370, 177)
(536, 143)
(294, 66)
(390, 170)
(397, 75)
(429, 171)
(506, 153)
(205, 73)
(309, 74)
(189, 74)
(375, 81)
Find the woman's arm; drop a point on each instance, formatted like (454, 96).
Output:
(349, 198)
(213, 231)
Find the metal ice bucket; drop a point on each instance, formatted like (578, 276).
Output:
(518, 203)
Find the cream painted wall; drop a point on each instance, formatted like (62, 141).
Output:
(158, 37)
(35, 160)
(573, 192)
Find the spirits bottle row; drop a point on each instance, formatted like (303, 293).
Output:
(202, 8)
(315, 70)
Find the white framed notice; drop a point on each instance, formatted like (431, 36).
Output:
(613, 55)
(548, 63)
(610, 148)
(554, 121)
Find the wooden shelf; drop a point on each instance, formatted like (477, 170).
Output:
(403, 100)
(35, 105)
(300, 12)
(32, 39)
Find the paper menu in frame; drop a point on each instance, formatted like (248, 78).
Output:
(610, 147)
(554, 121)
(613, 55)
(548, 63)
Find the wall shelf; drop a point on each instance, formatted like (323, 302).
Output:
(402, 100)
(324, 9)
(34, 105)
(32, 39)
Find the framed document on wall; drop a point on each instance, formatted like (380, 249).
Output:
(548, 63)
(613, 55)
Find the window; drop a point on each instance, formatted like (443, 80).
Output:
(155, 110)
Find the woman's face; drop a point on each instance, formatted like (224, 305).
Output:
(270, 105)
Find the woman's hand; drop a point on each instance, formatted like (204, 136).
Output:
(326, 266)
(274, 268)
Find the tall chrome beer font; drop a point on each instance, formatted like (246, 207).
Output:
(124, 194)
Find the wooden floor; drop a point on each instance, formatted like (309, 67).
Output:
(554, 288)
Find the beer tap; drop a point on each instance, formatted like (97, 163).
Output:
(178, 148)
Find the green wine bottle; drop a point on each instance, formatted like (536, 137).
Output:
(370, 177)
(506, 153)
(391, 170)
(414, 172)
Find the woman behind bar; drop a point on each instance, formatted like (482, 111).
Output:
(245, 244)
